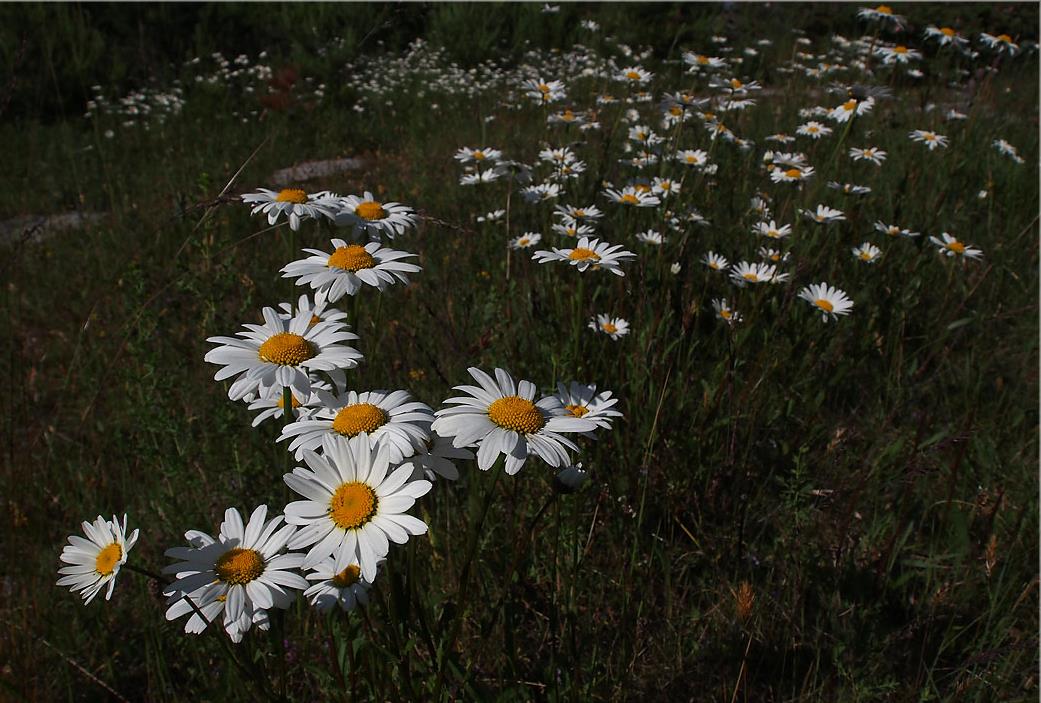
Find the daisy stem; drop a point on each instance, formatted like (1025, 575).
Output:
(146, 572)
(464, 574)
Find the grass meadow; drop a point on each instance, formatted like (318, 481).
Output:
(788, 509)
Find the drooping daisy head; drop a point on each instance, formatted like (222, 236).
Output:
(94, 562)
(583, 401)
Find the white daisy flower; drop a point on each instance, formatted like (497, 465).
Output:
(94, 562)
(1000, 43)
(930, 139)
(241, 572)
(583, 401)
(949, 246)
(867, 252)
(702, 62)
(882, 13)
(353, 508)
(543, 91)
(526, 240)
(282, 353)
(477, 156)
(849, 188)
(823, 215)
(613, 327)
(480, 177)
(339, 582)
(716, 262)
(894, 230)
(897, 54)
(541, 192)
(493, 216)
(665, 187)
(746, 272)
(633, 75)
(366, 214)
(725, 312)
(294, 203)
(631, 195)
(571, 228)
(392, 419)
(771, 230)
(590, 253)
(1008, 150)
(945, 36)
(502, 417)
(813, 129)
(871, 153)
(792, 174)
(578, 214)
(692, 157)
(832, 302)
(349, 266)
(651, 237)
(850, 108)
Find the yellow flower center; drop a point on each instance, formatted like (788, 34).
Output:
(884, 9)
(568, 116)
(642, 188)
(580, 214)
(632, 75)
(291, 195)
(725, 313)
(691, 159)
(348, 577)
(849, 105)
(609, 327)
(947, 31)
(370, 210)
(793, 173)
(478, 155)
(702, 60)
(629, 199)
(1005, 38)
(543, 88)
(353, 257)
(750, 276)
(824, 305)
(812, 129)
(675, 110)
(665, 185)
(735, 84)
(523, 241)
(577, 410)
(866, 256)
(238, 566)
(353, 505)
(107, 558)
(583, 254)
(956, 247)
(900, 50)
(515, 413)
(708, 116)
(286, 349)
(929, 137)
(361, 417)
